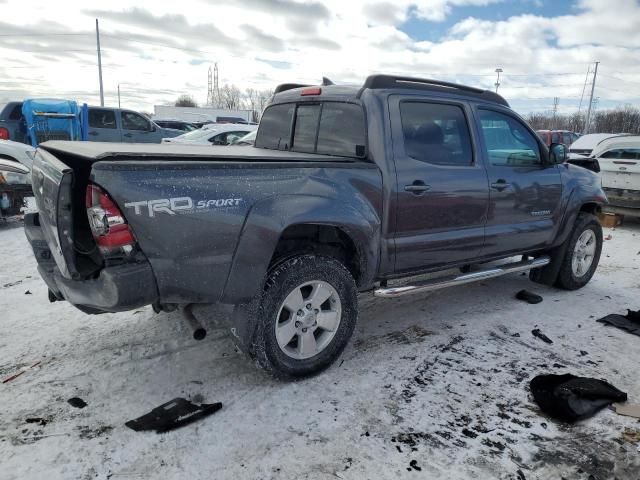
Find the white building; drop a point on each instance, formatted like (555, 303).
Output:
(198, 114)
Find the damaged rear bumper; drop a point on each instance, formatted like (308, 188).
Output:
(115, 289)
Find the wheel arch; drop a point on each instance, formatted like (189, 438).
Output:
(282, 226)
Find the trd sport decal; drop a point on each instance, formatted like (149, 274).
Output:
(179, 205)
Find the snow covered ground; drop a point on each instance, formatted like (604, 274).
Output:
(440, 380)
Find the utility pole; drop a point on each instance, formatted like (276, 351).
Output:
(556, 100)
(118, 96)
(593, 87)
(497, 84)
(216, 89)
(209, 88)
(99, 63)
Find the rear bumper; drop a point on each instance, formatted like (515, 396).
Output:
(115, 289)
(620, 199)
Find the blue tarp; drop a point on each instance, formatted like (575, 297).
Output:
(51, 119)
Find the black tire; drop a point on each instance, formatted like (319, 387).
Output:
(284, 278)
(567, 279)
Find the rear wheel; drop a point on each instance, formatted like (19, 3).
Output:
(306, 317)
(582, 254)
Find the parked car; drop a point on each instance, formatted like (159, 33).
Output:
(120, 125)
(214, 134)
(619, 160)
(17, 152)
(12, 124)
(16, 160)
(175, 124)
(565, 137)
(583, 146)
(345, 189)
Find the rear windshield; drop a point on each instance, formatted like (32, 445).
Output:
(330, 128)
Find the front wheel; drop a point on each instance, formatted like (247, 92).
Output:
(306, 317)
(582, 254)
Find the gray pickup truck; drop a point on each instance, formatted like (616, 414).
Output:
(346, 189)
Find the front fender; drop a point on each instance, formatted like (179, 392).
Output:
(269, 217)
(580, 187)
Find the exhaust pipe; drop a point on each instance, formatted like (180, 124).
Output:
(199, 332)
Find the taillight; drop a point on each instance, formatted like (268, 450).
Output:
(108, 226)
(311, 91)
(4, 133)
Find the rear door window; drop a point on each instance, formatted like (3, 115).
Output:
(99, 118)
(436, 133)
(134, 121)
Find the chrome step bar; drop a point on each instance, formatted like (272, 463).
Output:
(453, 280)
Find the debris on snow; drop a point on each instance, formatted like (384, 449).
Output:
(627, 410)
(77, 402)
(629, 322)
(537, 333)
(22, 370)
(631, 435)
(173, 414)
(528, 297)
(570, 398)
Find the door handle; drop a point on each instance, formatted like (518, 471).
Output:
(93, 133)
(500, 185)
(418, 187)
(127, 135)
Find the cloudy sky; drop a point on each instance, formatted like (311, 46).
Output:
(161, 49)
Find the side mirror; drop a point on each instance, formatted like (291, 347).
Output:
(557, 153)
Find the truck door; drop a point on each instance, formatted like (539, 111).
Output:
(103, 126)
(441, 191)
(137, 128)
(525, 192)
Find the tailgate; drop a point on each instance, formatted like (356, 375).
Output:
(52, 187)
(620, 173)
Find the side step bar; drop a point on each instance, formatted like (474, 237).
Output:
(452, 280)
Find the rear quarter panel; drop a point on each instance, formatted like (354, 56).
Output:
(188, 216)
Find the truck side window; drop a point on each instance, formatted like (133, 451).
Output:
(274, 131)
(133, 121)
(436, 133)
(341, 130)
(99, 118)
(508, 142)
(304, 132)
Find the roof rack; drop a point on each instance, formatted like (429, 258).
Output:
(392, 81)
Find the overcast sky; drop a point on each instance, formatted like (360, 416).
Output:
(161, 49)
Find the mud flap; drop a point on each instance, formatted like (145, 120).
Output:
(548, 274)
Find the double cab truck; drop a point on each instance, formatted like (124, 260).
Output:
(346, 190)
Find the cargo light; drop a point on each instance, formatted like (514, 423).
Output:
(108, 226)
(311, 91)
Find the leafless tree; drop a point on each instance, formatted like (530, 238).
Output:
(185, 101)
(620, 120)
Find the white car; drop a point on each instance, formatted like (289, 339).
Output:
(219, 134)
(585, 144)
(619, 159)
(17, 152)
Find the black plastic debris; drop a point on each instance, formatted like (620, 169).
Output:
(528, 297)
(77, 402)
(629, 322)
(569, 398)
(174, 414)
(537, 333)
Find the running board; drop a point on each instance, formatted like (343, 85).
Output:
(453, 280)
